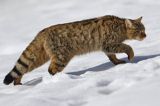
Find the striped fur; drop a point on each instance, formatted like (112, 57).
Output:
(59, 43)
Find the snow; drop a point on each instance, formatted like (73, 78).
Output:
(88, 80)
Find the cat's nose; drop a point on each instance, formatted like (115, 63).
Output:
(144, 35)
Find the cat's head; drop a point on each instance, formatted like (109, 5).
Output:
(135, 29)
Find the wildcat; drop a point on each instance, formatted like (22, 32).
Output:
(60, 43)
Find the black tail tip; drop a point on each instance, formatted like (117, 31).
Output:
(8, 79)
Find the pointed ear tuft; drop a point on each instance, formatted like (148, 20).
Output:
(139, 19)
(128, 23)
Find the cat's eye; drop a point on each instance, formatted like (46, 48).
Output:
(142, 31)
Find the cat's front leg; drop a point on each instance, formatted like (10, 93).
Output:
(119, 48)
(114, 59)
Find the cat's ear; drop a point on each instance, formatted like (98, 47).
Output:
(139, 19)
(128, 23)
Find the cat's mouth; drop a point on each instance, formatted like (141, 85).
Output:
(140, 38)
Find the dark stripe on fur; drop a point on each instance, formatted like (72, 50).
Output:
(22, 63)
(60, 65)
(16, 71)
(26, 57)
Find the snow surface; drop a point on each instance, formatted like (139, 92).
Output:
(88, 80)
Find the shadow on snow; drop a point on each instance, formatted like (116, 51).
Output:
(109, 65)
(101, 67)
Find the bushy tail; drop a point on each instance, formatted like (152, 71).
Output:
(33, 57)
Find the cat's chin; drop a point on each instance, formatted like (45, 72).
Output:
(140, 39)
